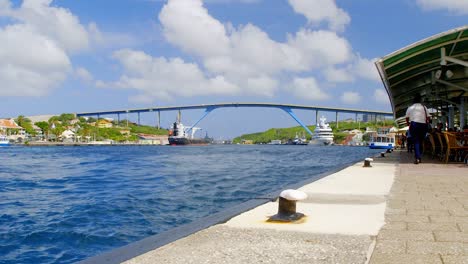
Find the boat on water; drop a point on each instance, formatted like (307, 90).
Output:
(182, 135)
(298, 140)
(323, 134)
(4, 141)
(382, 139)
(275, 142)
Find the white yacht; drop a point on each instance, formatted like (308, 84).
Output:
(323, 134)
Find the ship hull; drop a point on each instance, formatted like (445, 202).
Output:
(321, 142)
(176, 141)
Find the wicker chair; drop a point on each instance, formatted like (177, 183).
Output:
(442, 144)
(454, 148)
(432, 145)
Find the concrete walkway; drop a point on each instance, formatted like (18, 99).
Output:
(426, 216)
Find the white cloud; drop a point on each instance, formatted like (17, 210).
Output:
(35, 45)
(455, 6)
(188, 25)
(56, 23)
(317, 11)
(244, 57)
(231, 1)
(30, 70)
(160, 78)
(381, 96)
(308, 89)
(338, 75)
(350, 97)
(366, 69)
(357, 68)
(84, 74)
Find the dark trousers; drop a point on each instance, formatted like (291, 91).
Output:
(418, 133)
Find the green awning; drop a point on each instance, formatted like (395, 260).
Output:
(435, 67)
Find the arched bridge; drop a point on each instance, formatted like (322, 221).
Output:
(288, 108)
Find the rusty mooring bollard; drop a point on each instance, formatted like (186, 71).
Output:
(287, 206)
(367, 162)
(382, 154)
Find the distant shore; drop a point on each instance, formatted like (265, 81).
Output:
(77, 144)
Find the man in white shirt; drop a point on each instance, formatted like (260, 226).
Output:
(417, 119)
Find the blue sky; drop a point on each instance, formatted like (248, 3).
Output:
(79, 56)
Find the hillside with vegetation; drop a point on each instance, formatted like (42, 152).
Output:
(87, 128)
(285, 134)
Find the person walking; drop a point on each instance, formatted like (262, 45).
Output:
(417, 119)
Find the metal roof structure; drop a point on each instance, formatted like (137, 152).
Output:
(436, 68)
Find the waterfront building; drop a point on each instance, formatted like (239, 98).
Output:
(148, 139)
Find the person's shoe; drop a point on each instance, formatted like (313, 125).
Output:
(419, 160)
(416, 161)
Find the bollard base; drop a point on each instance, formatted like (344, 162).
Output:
(284, 218)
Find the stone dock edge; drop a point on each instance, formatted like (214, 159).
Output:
(145, 245)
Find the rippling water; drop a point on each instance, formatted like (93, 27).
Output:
(64, 204)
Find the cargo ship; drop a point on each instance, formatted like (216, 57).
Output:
(181, 135)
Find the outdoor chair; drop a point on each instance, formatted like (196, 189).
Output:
(442, 144)
(432, 144)
(454, 148)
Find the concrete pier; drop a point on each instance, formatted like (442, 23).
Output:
(344, 212)
(393, 212)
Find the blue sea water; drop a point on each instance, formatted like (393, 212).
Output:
(65, 204)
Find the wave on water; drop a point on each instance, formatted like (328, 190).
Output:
(65, 204)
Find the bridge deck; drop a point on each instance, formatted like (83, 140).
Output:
(214, 106)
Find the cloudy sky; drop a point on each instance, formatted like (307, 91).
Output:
(79, 56)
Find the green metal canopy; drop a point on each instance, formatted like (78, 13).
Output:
(436, 68)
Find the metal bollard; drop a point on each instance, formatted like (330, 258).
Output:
(287, 206)
(367, 162)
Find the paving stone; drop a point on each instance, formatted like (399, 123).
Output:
(459, 212)
(455, 259)
(433, 227)
(385, 258)
(407, 218)
(405, 235)
(394, 211)
(390, 246)
(428, 212)
(463, 227)
(451, 236)
(449, 219)
(395, 226)
(444, 248)
(396, 204)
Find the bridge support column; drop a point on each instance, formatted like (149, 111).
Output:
(118, 119)
(290, 112)
(138, 118)
(316, 117)
(336, 118)
(159, 119)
